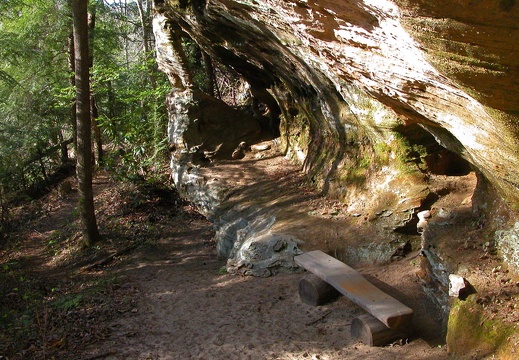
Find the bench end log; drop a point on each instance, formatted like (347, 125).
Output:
(371, 331)
(314, 291)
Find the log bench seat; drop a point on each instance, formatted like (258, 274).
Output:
(389, 319)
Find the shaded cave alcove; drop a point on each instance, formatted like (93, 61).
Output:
(228, 114)
(429, 155)
(227, 129)
(450, 179)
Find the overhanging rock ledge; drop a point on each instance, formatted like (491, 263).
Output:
(385, 105)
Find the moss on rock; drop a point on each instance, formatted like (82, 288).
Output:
(471, 330)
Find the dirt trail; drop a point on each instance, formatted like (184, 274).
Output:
(168, 298)
(186, 309)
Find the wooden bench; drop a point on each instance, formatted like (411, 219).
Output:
(389, 320)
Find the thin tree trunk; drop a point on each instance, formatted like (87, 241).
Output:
(63, 149)
(42, 166)
(146, 39)
(95, 127)
(93, 104)
(91, 21)
(111, 100)
(84, 136)
(112, 111)
(209, 73)
(72, 83)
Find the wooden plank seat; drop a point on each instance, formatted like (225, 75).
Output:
(390, 318)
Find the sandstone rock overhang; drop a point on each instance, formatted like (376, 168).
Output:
(372, 99)
(450, 69)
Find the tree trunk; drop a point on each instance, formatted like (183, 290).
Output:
(84, 136)
(145, 40)
(209, 73)
(42, 166)
(111, 100)
(93, 104)
(97, 131)
(63, 149)
(72, 83)
(91, 21)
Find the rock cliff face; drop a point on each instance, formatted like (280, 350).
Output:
(378, 101)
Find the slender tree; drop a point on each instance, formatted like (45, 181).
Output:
(144, 18)
(83, 119)
(72, 83)
(94, 111)
(210, 78)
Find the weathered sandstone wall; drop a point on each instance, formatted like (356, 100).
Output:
(374, 98)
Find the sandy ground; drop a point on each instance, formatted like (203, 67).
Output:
(172, 299)
(184, 308)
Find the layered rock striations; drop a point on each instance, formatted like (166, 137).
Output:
(375, 99)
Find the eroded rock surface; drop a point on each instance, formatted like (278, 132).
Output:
(377, 101)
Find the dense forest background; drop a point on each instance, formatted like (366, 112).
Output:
(37, 91)
(38, 96)
(56, 289)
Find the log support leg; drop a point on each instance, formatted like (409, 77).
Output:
(373, 332)
(314, 291)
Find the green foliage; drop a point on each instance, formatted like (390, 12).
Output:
(68, 302)
(36, 97)
(33, 68)
(196, 64)
(132, 113)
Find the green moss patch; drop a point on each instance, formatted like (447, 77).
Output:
(470, 329)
